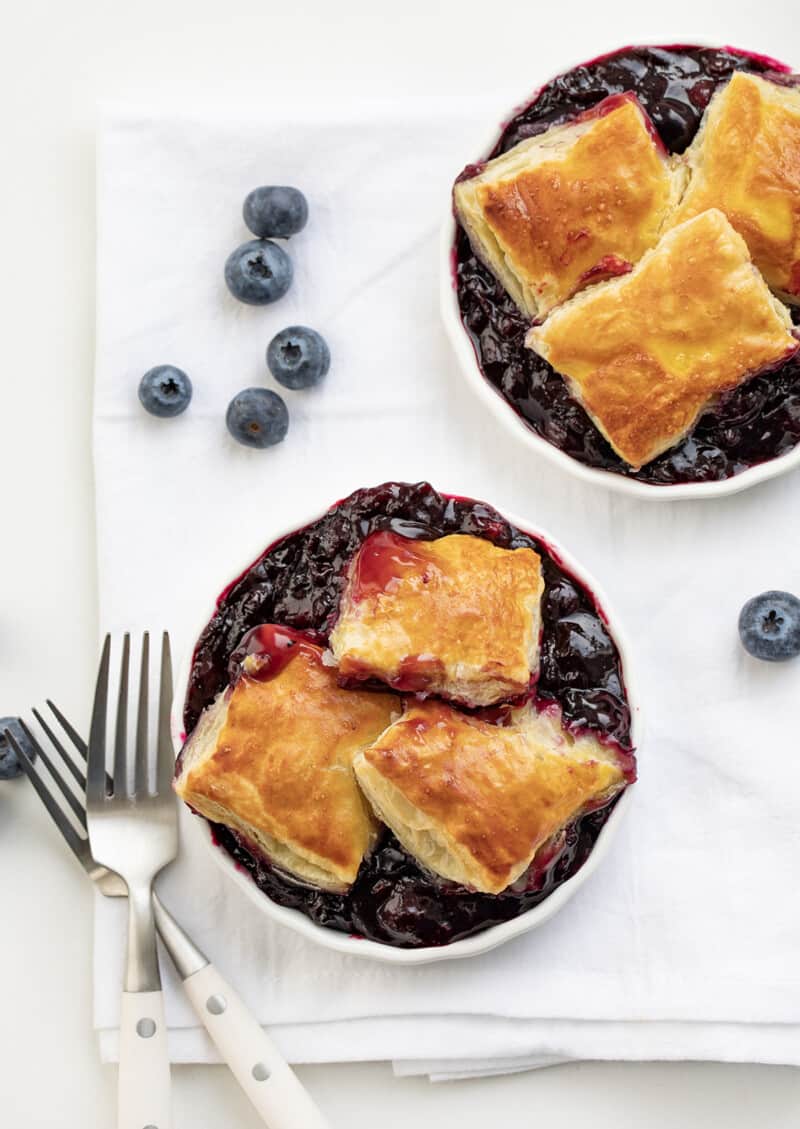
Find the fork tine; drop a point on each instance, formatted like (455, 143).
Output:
(73, 769)
(96, 761)
(72, 733)
(165, 763)
(74, 841)
(76, 740)
(140, 771)
(63, 788)
(121, 729)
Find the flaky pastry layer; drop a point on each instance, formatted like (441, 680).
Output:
(648, 353)
(455, 616)
(473, 802)
(571, 206)
(745, 160)
(272, 759)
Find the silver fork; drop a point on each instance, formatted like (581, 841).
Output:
(134, 832)
(185, 955)
(262, 1072)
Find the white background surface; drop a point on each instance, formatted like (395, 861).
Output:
(56, 61)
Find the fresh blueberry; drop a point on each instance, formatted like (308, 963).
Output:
(258, 272)
(298, 357)
(769, 626)
(257, 417)
(9, 761)
(165, 391)
(275, 211)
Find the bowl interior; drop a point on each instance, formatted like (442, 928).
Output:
(505, 413)
(493, 935)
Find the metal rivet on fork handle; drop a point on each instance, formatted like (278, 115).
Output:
(146, 1028)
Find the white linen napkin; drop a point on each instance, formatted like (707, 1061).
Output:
(684, 943)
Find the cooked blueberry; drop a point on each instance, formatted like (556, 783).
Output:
(257, 417)
(258, 272)
(165, 391)
(9, 761)
(769, 626)
(298, 357)
(275, 211)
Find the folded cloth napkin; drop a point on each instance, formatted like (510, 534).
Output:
(684, 943)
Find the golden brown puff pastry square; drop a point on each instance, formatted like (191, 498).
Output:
(576, 204)
(745, 160)
(648, 353)
(474, 802)
(455, 616)
(272, 758)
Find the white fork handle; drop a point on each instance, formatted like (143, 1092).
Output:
(143, 1099)
(260, 1069)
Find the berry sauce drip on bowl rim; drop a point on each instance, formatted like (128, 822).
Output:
(756, 422)
(297, 583)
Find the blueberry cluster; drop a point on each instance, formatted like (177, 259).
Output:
(258, 273)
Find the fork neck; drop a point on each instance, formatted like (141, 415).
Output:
(141, 969)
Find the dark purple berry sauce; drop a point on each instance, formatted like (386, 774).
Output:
(297, 582)
(757, 421)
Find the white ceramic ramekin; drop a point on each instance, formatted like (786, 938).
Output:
(496, 934)
(508, 417)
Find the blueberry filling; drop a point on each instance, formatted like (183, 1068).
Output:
(297, 582)
(758, 421)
